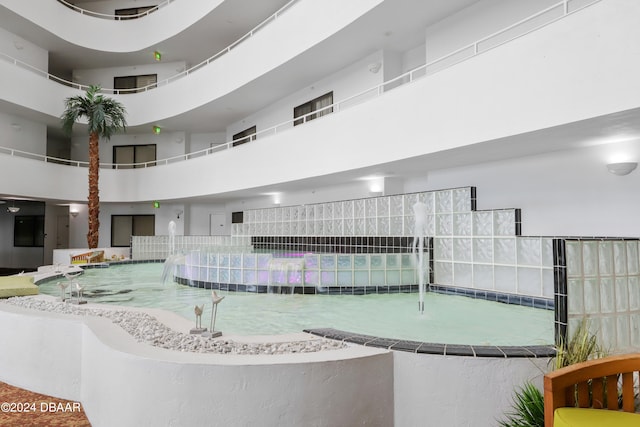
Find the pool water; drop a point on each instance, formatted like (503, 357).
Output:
(447, 319)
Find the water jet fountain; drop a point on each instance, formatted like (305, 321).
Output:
(173, 259)
(420, 229)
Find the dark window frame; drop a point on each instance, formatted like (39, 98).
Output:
(125, 89)
(32, 235)
(152, 163)
(133, 218)
(126, 13)
(249, 134)
(310, 107)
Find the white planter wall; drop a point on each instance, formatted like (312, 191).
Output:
(125, 383)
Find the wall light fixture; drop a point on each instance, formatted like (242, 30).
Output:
(622, 168)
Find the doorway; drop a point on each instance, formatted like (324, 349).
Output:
(217, 224)
(62, 232)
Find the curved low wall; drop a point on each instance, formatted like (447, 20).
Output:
(125, 383)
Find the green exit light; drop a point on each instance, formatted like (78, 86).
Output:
(157, 55)
(157, 130)
(156, 204)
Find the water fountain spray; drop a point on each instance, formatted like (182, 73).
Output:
(172, 237)
(420, 229)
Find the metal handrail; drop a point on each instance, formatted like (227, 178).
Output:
(168, 80)
(362, 96)
(114, 17)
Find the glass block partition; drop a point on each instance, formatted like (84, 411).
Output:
(478, 250)
(602, 283)
(374, 216)
(158, 247)
(313, 273)
(476, 253)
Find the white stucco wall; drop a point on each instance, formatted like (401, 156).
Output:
(562, 193)
(477, 21)
(345, 83)
(23, 50)
(103, 77)
(435, 391)
(123, 383)
(22, 134)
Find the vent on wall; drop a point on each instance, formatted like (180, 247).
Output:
(237, 217)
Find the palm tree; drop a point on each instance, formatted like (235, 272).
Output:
(105, 117)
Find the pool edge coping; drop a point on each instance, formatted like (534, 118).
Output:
(396, 344)
(419, 347)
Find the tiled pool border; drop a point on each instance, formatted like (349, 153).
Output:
(418, 347)
(534, 351)
(526, 301)
(523, 300)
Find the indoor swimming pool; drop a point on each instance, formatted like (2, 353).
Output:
(447, 318)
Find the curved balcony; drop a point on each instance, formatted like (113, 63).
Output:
(265, 42)
(340, 143)
(87, 30)
(117, 17)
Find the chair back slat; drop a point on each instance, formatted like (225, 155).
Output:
(612, 392)
(628, 398)
(598, 393)
(570, 396)
(583, 394)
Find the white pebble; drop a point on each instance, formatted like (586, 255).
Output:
(147, 329)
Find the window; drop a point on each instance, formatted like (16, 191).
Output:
(314, 105)
(131, 84)
(237, 217)
(131, 12)
(239, 138)
(125, 226)
(127, 155)
(28, 231)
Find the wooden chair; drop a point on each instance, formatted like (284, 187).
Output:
(594, 385)
(88, 257)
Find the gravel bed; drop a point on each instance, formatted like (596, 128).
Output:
(147, 329)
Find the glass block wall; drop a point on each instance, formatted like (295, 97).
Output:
(158, 247)
(357, 274)
(603, 285)
(374, 216)
(478, 250)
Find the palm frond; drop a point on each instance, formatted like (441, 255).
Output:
(582, 346)
(527, 409)
(105, 116)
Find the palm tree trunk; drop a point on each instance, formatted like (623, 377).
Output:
(94, 199)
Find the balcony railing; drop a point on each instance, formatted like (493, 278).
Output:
(166, 81)
(115, 17)
(538, 20)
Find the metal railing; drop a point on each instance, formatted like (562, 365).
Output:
(555, 12)
(163, 82)
(113, 16)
